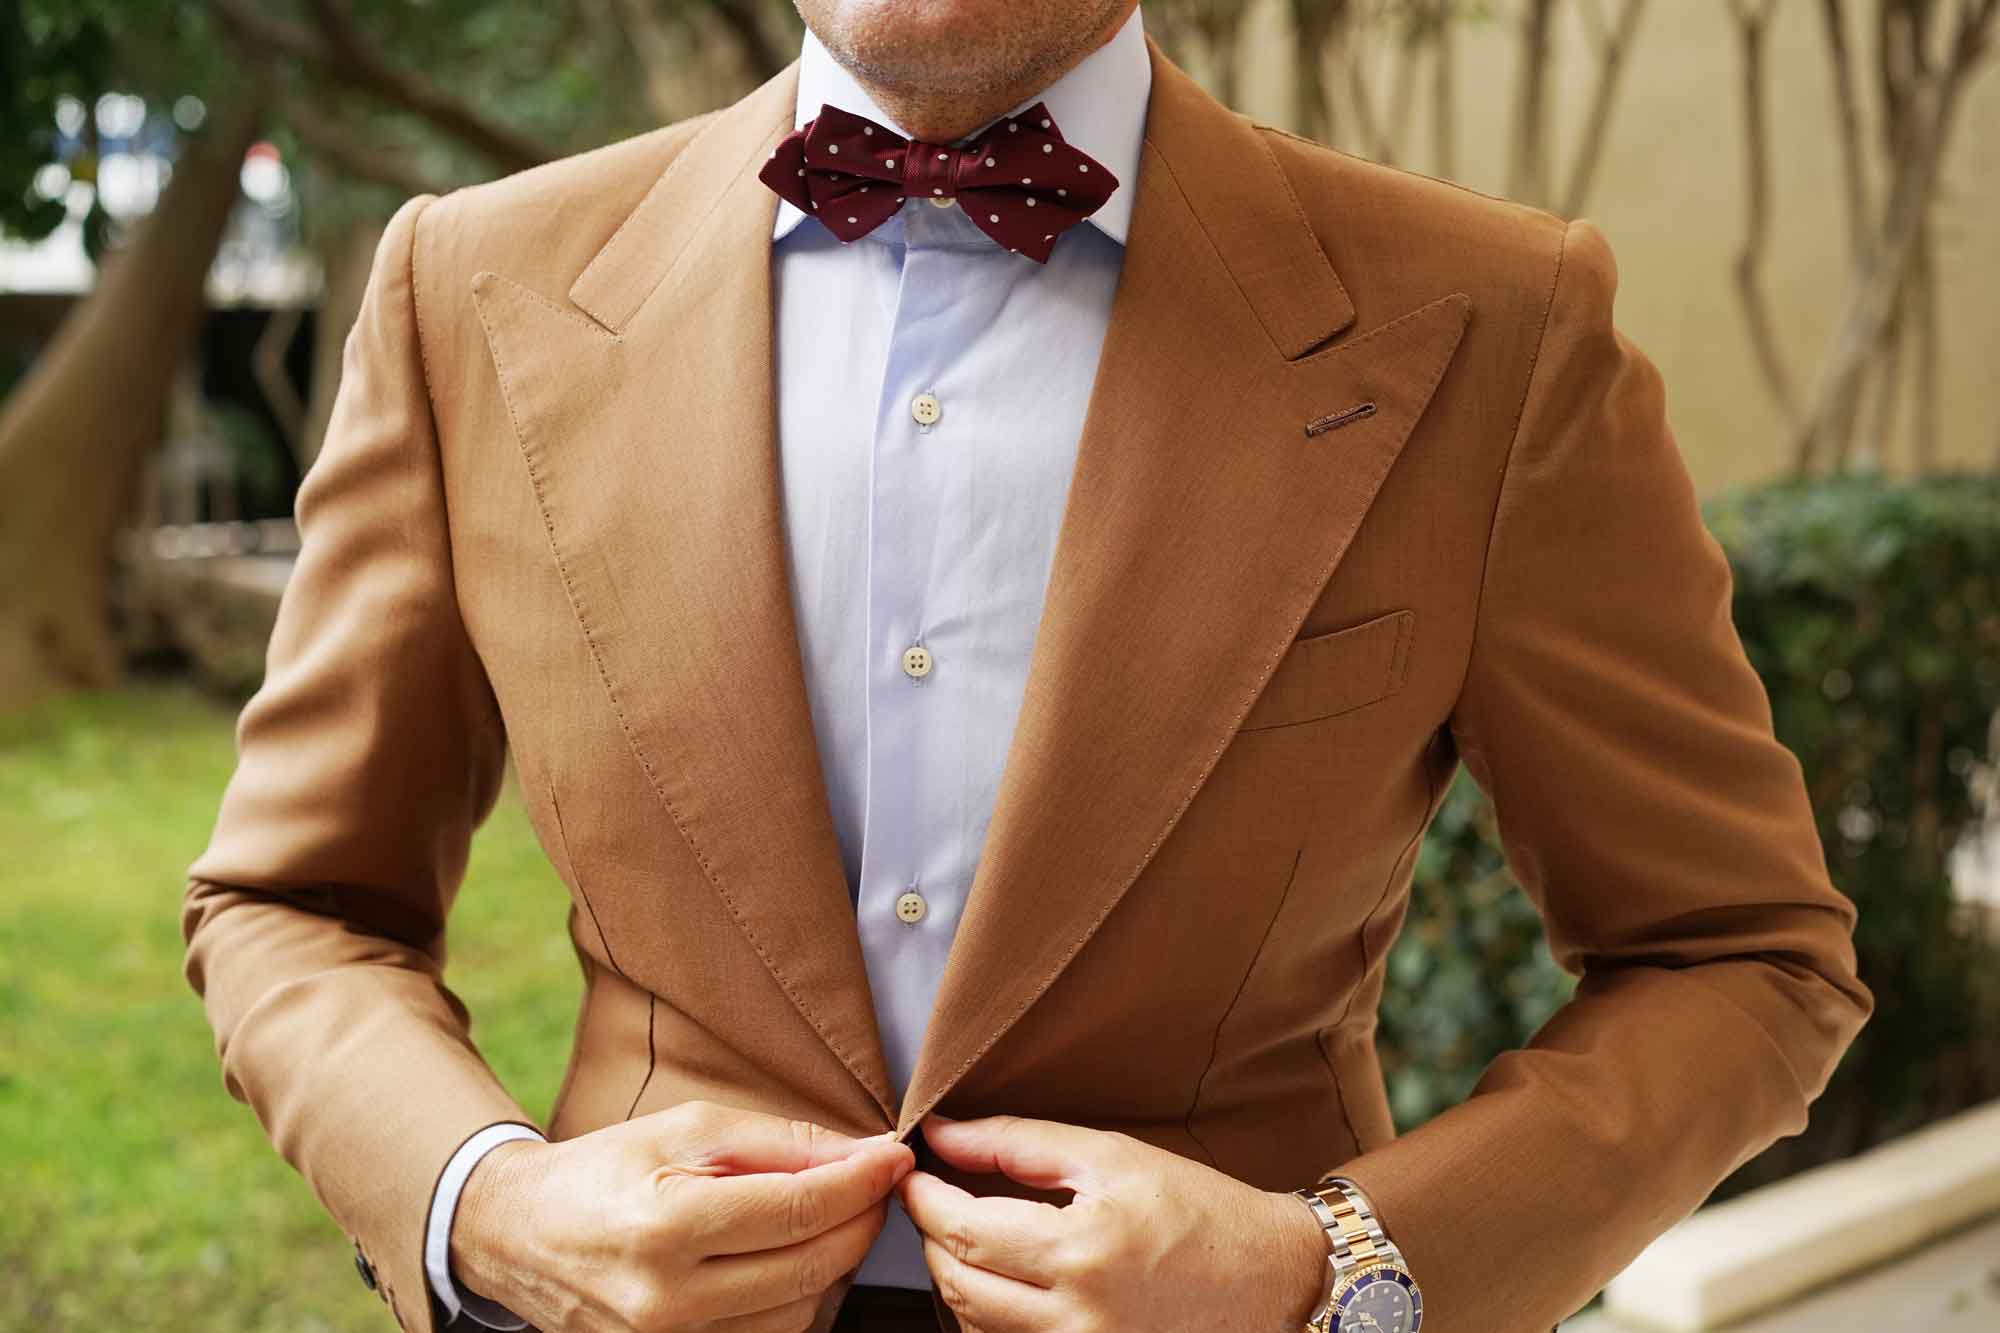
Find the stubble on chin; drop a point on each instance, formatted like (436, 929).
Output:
(940, 54)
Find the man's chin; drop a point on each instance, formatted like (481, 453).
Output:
(947, 48)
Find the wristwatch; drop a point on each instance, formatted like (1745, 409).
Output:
(1368, 1287)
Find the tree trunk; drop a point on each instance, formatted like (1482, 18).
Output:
(1871, 299)
(1444, 95)
(1613, 51)
(1528, 168)
(347, 260)
(76, 432)
(1313, 23)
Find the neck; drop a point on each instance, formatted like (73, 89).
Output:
(942, 117)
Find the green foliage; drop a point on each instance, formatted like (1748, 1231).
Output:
(1471, 974)
(562, 75)
(80, 50)
(137, 1194)
(1871, 611)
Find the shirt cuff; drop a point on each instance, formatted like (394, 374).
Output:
(437, 1236)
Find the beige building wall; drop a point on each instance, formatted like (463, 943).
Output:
(1670, 197)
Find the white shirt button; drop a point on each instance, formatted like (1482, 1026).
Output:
(926, 408)
(910, 907)
(917, 661)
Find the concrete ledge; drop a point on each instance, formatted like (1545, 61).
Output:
(1763, 1248)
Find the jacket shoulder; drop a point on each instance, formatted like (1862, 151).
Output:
(1399, 238)
(542, 225)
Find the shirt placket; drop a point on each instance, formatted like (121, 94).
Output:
(915, 867)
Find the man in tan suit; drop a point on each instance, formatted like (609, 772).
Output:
(1232, 491)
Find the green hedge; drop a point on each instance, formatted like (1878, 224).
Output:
(1871, 610)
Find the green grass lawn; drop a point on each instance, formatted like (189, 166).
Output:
(134, 1193)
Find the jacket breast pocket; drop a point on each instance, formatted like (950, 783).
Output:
(1325, 675)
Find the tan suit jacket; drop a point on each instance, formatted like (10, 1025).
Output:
(1369, 485)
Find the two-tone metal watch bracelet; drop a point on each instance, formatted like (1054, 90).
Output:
(1354, 1237)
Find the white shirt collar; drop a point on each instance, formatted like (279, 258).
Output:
(1100, 106)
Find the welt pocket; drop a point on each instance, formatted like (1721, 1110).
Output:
(1325, 675)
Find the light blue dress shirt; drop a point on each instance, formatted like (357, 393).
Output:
(931, 389)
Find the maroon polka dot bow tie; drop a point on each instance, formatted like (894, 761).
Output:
(1018, 181)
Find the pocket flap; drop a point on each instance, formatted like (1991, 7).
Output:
(1327, 674)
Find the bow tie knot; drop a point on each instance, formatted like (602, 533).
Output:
(1018, 181)
(932, 170)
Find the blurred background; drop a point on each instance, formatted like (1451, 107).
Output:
(1804, 197)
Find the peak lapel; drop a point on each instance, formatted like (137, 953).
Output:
(1201, 524)
(649, 433)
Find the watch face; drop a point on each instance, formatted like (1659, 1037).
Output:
(1381, 1301)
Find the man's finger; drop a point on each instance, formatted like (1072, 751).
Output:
(1017, 1238)
(768, 1210)
(705, 1138)
(766, 1279)
(1043, 1153)
(989, 1301)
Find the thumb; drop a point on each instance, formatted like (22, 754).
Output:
(1045, 1153)
(706, 1139)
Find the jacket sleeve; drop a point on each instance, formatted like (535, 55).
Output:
(314, 919)
(1663, 834)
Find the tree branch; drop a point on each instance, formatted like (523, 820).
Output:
(321, 136)
(404, 88)
(658, 53)
(1752, 16)
(1444, 95)
(340, 55)
(1920, 292)
(1368, 129)
(1528, 172)
(745, 22)
(1929, 110)
(1612, 51)
(1833, 15)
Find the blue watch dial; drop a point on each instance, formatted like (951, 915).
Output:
(1381, 1302)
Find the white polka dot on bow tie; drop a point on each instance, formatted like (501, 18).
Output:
(802, 171)
(889, 162)
(867, 129)
(864, 189)
(1026, 181)
(1012, 126)
(989, 161)
(937, 190)
(1031, 203)
(992, 217)
(1064, 193)
(1048, 148)
(1050, 237)
(943, 156)
(854, 219)
(1045, 124)
(833, 148)
(1082, 167)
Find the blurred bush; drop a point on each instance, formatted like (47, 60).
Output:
(1871, 611)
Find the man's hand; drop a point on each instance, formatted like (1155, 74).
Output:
(1151, 1239)
(701, 1216)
